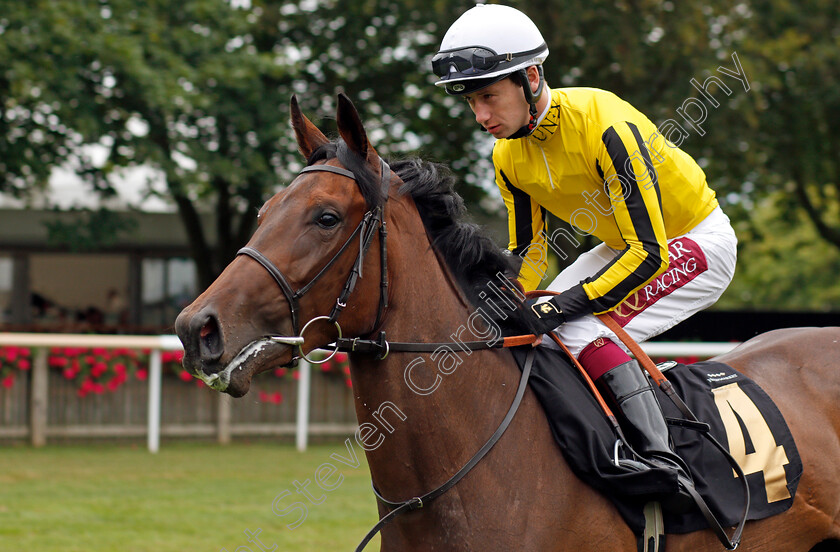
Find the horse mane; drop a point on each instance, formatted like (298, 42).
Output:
(483, 270)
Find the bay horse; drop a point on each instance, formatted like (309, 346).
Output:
(427, 416)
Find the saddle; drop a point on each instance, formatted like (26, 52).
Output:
(739, 414)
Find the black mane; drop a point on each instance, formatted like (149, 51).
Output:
(485, 272)
(482, 269)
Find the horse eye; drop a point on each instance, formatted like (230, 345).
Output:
(327, 220)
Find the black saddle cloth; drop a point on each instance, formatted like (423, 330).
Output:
(587, 441)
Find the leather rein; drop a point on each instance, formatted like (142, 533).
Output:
(375, 218)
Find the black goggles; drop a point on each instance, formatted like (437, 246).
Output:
(475, 60)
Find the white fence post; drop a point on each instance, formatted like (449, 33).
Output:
(154, 400)
(302, 429)
(39, 399)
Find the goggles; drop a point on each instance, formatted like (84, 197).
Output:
(475, 60)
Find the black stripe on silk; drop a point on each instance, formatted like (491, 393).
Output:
(521, 214)
(648, 163)
(639, 214)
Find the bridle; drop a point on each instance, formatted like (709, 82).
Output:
(372, 220)
(375, 218)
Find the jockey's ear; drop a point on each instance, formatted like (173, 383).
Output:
(309, 138)
(353, 132)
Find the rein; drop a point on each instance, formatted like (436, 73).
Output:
(374, 218)
(419, 501)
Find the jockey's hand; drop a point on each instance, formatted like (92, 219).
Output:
(545, 316)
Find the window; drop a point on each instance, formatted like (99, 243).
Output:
(168, 286)
(6, 283)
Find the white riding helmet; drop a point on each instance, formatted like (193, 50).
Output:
(484, 45)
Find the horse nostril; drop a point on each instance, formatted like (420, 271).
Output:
(210, 340)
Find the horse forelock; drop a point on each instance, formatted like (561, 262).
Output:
(366, 179)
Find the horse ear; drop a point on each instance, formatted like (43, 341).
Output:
(309, 138)
(352, 130)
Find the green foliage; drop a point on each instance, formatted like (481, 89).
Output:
(88, 229)
(199, 91)
(782, 263)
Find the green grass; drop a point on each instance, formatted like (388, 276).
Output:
(188, 497)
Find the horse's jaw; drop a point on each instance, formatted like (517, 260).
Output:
(235, 377)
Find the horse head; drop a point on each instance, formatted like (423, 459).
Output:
(318, 229)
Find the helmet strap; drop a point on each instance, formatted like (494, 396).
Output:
(532, 100)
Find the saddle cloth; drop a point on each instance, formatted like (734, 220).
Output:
(741, 416)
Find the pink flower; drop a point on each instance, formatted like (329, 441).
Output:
(185, 376)
(280, 372)
(57, 361)
(296, 375)
(326, 366)
(348, 382)
(340, 358)
(142, 374)
(277, 397)
(69, 373)
(24, 364)
(8, 381)
(119, 368)
(98, 369)
(263, 396)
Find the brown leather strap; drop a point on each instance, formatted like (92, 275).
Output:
(634, 347)
(518, 340)
(591, 384)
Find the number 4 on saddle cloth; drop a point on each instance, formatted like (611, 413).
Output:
(740, 414)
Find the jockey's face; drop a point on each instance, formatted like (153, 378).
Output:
(500, 108)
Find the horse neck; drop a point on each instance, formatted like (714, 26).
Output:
(421, 416)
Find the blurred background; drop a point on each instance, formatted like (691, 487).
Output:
(138, 139)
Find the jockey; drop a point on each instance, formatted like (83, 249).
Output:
(591, 159)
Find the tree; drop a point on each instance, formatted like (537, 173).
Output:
(783, 263)
(200, 90)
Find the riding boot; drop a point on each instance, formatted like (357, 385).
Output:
(632, 394)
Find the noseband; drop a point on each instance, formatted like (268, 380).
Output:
(374, 218)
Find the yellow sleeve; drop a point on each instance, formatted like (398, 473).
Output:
(526, 224)
(624, 163)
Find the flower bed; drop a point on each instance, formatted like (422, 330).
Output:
(100, 370)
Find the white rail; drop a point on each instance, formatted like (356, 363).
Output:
(157, 344)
